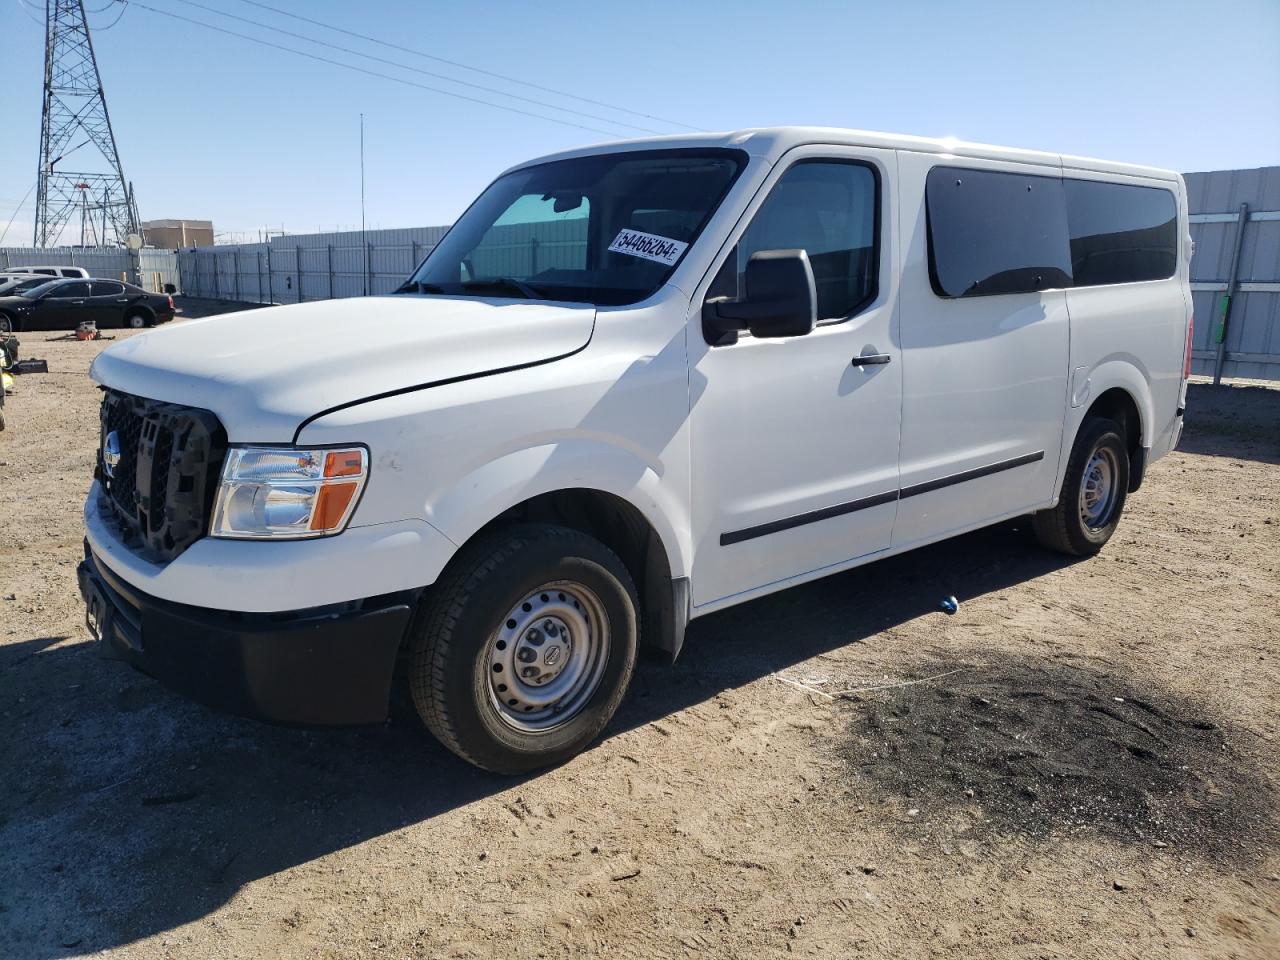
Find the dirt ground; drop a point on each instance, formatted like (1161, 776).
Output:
(1083, 762)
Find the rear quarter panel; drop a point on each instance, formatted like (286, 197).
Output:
(1131, 336)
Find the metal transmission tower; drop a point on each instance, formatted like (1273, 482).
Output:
(75, 117)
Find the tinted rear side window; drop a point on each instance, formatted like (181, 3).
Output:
(1121, 233)
(995, 232)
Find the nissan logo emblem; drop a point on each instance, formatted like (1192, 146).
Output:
(110, 454)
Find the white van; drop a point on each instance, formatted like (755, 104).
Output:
(51, 271)
(634, 384)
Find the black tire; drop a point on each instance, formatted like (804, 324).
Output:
(460, 627)
(1065, 528)
(7, 324)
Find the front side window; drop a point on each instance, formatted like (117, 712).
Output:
(605, 229)
(993, 232)
(828, 209)
(71, 291)
(1121, 233)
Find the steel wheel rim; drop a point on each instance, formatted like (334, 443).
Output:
(547, 657)
(1098, 489)
(137, 322)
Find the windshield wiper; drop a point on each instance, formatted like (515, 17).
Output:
(505, 283)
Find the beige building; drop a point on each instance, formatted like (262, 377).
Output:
(173, 234)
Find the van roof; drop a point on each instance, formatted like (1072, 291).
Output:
(771, 143)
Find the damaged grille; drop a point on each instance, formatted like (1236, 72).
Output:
(164, 472)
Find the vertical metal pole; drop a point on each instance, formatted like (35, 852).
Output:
(271, 296)
(217, 286)
(413, 254)
(1230, 295)
(257, 257)
(364, 236)
(369, 274)
(329, 248)
(298, 262)
(237, 265)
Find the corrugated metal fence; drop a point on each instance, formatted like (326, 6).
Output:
(1235, 273)
(324, 266)
(318, 266)
(150, 269)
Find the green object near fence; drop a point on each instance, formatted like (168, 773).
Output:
(1224, 306)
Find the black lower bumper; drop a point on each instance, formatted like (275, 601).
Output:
(311, 667)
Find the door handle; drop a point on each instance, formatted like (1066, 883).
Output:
(122, 301)
(871, 359)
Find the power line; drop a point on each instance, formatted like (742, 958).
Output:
(463, 66)
(405, 66)
(124, 5)
(367, 72)
(15, 212)
(31, 15)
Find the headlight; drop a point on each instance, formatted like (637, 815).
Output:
(285, 493)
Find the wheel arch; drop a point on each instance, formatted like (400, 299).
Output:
(627, 531)
(1118, 404)
(1116, 388)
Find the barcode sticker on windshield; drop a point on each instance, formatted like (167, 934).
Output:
(647, 245)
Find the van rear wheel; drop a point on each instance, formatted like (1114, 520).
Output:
(525, 648)
(1093, 492)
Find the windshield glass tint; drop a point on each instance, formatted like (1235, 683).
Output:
(605, 229)
(41, 289)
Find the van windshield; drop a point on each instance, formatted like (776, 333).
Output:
(605, 229)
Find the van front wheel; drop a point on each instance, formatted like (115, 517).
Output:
(1093, 492)
(525, 648)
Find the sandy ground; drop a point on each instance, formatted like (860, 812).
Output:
(1088, 765)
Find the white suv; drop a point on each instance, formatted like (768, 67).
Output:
(634, 384)
(52, 271)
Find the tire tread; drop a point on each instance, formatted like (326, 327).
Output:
(1052, 527)
(442, 610)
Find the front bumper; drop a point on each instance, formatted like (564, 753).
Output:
(270, 577)
(313, 667)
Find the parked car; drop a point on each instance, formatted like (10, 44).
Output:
(11, 284)
(736, 363)
(52, 271)
(65, 304)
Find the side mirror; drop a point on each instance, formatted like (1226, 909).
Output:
(781, 300)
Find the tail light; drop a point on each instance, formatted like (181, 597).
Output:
(1191, 329)
(1188, 355)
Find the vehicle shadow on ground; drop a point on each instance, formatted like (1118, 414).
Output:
(138, 811)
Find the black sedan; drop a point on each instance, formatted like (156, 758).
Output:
(65, 304)
(12, 284)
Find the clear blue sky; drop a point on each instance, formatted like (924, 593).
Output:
(215, 127)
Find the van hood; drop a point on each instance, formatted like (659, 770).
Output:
(265, 371)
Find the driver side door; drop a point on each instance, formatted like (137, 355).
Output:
(794, 442)
(62, 308)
